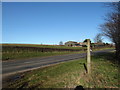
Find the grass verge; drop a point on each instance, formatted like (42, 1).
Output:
(24, 55)
(72, 74)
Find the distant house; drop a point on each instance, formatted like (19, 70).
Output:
(83, 44)
(71, 43)
(74, 44)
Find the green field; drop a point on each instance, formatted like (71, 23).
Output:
(71, 74)
(22, 51)
(19, 51)
(43, 46)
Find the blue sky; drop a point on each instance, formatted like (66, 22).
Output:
(50, 22)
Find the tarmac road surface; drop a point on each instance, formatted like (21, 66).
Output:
(15, 66)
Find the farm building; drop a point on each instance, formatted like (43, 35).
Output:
(84, 44)
(71, 44)
(74, 44)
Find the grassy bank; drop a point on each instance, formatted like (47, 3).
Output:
(71, 74)
(24, 55)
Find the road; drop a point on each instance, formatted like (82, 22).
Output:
(15, 66)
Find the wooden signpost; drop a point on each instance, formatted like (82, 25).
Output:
(88, 57)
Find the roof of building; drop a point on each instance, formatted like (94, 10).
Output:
(71, 42)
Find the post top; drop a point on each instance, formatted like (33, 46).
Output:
(87, 40)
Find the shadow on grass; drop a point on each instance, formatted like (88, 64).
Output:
(110, 56)
(84, 66)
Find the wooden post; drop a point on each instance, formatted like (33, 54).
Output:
(88, 57)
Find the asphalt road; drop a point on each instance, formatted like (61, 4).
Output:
(15, 66)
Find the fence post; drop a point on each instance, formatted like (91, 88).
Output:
(88, 57)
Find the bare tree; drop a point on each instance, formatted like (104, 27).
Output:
(111, 27)
(98, 38)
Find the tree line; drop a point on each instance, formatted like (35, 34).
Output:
(111, 27)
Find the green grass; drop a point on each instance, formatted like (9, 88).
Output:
(53, 76)
(71, 74)
(44, 46)
(24, 55)
(96, 49)
(104, 72)
(11, 53)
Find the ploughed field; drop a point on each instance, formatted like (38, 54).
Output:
(40, 48)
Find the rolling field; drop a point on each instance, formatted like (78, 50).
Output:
(19, 51)
(44, 46)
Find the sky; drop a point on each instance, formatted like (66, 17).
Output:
(51, 22)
